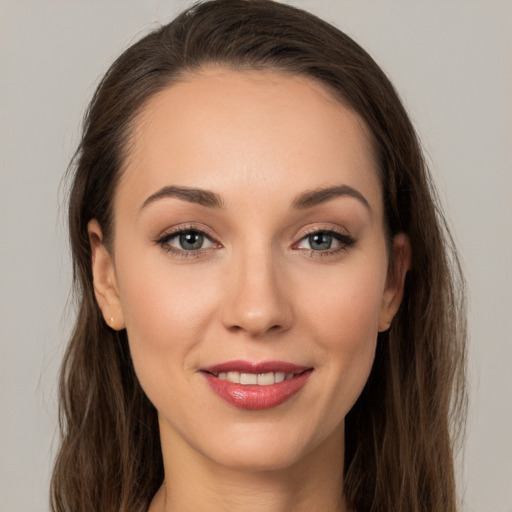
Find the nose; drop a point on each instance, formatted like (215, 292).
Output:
(258, 299)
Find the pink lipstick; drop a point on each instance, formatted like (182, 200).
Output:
(256, 386)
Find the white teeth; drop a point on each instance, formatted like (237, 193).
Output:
(265, 379)
(261, 379)
(279, 376)
(248, 378)
(233, 377)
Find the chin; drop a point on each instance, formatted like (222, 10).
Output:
(269, 449)
(254, 460)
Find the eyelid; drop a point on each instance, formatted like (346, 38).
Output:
(183, 228)
(322, 228)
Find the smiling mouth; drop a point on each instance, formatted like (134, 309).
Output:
(256, 386)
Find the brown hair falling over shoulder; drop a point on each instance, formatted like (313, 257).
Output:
(400, 434)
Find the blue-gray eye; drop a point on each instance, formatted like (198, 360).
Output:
(320, 241)
(187, 240)
(191, 241)
(328, 241)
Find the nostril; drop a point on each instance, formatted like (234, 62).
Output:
(255, 331)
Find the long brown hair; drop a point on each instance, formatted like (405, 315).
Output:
(400, 433)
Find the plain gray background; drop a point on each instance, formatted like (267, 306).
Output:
(452, 63)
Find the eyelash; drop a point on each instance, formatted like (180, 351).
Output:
(345, 241)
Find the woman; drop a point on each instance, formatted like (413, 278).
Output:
(270, 308)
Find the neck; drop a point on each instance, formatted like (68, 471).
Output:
(194, 482)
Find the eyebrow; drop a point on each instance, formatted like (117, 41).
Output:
(191, 195)
(210, 199)
(321, 195)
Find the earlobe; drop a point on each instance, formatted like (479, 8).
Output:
(394, 291)
(104, 278)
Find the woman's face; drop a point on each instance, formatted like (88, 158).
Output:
(249, 239)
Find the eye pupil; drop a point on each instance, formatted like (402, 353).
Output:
(191, 240)
(320, 241)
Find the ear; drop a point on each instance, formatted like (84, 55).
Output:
(394, 291)
(104, 278)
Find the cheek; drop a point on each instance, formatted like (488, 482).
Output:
(343, 321)
(166, 308)
(346, 308)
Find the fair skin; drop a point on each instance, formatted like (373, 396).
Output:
(271, 271)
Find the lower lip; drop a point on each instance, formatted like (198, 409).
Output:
(254, 397)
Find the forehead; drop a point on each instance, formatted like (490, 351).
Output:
(262, 131)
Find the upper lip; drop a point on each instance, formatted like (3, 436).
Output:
(253, 367)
